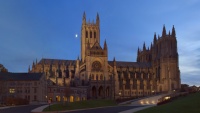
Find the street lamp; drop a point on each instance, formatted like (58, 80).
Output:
(120, 95)
(152, 92)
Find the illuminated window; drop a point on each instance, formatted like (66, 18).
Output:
(11, 90)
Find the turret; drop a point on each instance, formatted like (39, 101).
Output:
(105, 45)
(33, 65)
(164, 31)
(114, 62)
(138, 53)
(144, 47)
(29, 68)
(77, 62)
(155, 39)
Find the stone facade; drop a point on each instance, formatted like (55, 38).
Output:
(156, 69)
(29, 86)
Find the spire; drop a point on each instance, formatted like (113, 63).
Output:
(169, 33)
(173, 31)
(29, 69)
(77, 62)
(105, 45)
(97, 19)
(155, 38)
(36, 61)
(114, 62)
(151, 46)
(138, 51)
(78, 58)
(164, 31)
(33, 65)
(144, 47)
(84, 18)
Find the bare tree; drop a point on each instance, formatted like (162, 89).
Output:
(68, 93)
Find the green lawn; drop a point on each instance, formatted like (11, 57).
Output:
(187, 104)
(81, 105)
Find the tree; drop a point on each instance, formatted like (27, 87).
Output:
(67, 93)
(3, 90)
(3, 69)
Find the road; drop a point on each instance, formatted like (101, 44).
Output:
(28, 108)
(19, 109)
(115, 109)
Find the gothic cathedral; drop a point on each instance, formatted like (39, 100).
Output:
(156, 69)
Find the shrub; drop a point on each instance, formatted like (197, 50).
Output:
(16, 101)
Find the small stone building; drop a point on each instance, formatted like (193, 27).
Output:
(29, 86)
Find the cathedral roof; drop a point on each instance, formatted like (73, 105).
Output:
(20, 76)
(131, 64)
(57, 62)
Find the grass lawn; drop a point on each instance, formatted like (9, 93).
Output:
(81, 105)
(187, 104)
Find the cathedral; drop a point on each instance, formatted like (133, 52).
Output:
(156, 69)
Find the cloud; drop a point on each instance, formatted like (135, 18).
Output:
(189, 51)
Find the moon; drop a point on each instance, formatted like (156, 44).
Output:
(76, 35)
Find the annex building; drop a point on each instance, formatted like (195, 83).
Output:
(22, 88)
(155, 70)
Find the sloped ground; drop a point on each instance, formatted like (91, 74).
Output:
(185, 104)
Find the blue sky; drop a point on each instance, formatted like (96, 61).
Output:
(35, 29)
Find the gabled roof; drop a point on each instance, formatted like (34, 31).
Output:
(20, 76)
(57, 61)
(96, 46)
(130, 64)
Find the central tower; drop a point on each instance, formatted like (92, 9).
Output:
(90, 34)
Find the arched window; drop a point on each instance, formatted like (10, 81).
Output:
(97, 78)
(101, 77)
(90, 34)
(86, 34)
(94, 34)
(92, 77)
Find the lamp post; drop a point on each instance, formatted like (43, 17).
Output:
(152, 92)
(120, 96)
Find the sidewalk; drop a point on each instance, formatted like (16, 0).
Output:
(39, 109)
(136, 109)
(5, 107)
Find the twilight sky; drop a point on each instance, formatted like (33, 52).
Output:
(35, 29)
